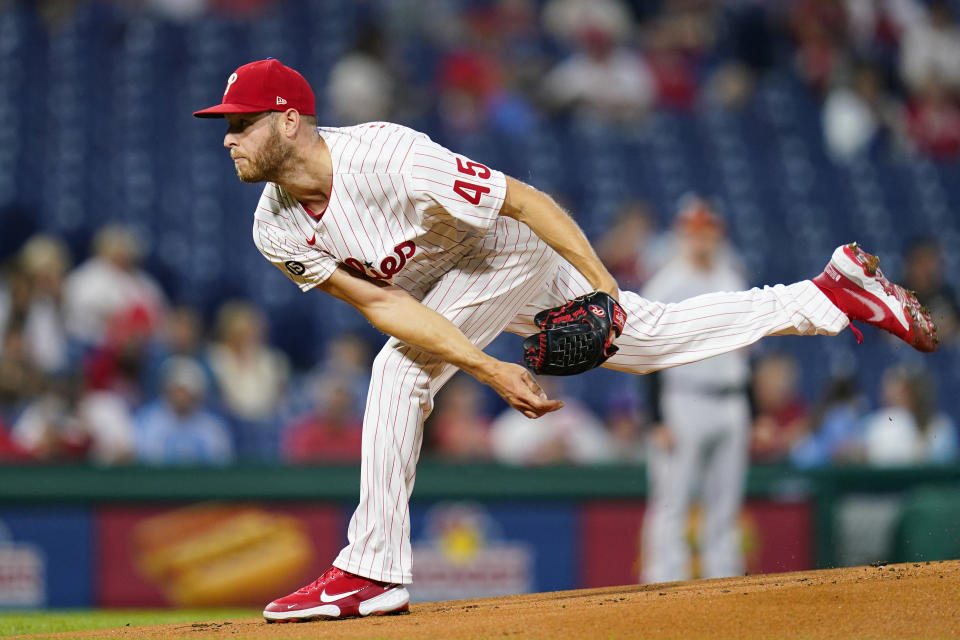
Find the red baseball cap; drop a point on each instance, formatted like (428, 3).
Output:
(264, 85)
(696, 216)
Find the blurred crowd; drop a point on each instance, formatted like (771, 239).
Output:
(886, 72)
(98, 364)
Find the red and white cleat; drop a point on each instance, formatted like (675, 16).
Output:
(855, 284)
(338, 594)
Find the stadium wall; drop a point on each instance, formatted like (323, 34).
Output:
(82, 536)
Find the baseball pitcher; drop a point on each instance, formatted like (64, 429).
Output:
(443, 253)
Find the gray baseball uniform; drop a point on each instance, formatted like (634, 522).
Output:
(705, 408)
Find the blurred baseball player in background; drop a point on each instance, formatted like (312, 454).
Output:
(701, 419)
(443, 254)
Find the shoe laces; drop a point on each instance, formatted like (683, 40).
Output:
(327, 576)
(856, 332)
(891, 289)
(916, 311)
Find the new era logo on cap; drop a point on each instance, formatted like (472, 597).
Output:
(263, 85)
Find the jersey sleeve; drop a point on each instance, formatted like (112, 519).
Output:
(469, 191)
(307, 266)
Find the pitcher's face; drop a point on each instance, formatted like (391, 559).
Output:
(258, 150)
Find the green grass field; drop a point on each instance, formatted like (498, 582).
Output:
(58, 621)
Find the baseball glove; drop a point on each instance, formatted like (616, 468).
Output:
(574, 337)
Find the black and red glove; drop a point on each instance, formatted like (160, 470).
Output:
(576, 336)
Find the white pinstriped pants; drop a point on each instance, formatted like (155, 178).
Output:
(501, 287)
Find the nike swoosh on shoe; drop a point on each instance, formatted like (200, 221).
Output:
(340, 596)
(877, 310)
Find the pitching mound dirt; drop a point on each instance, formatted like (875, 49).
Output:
(920, 600)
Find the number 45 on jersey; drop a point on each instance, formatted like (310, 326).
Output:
(467, 190)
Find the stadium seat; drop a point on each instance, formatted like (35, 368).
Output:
(63, 156)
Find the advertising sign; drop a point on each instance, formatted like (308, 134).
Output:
(45, 557)
(776, 537)
(472, 550)
(211, 554)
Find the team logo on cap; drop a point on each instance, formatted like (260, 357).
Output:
(294, 267)
(230, 81)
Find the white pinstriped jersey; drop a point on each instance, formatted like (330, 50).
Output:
(402, 208)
